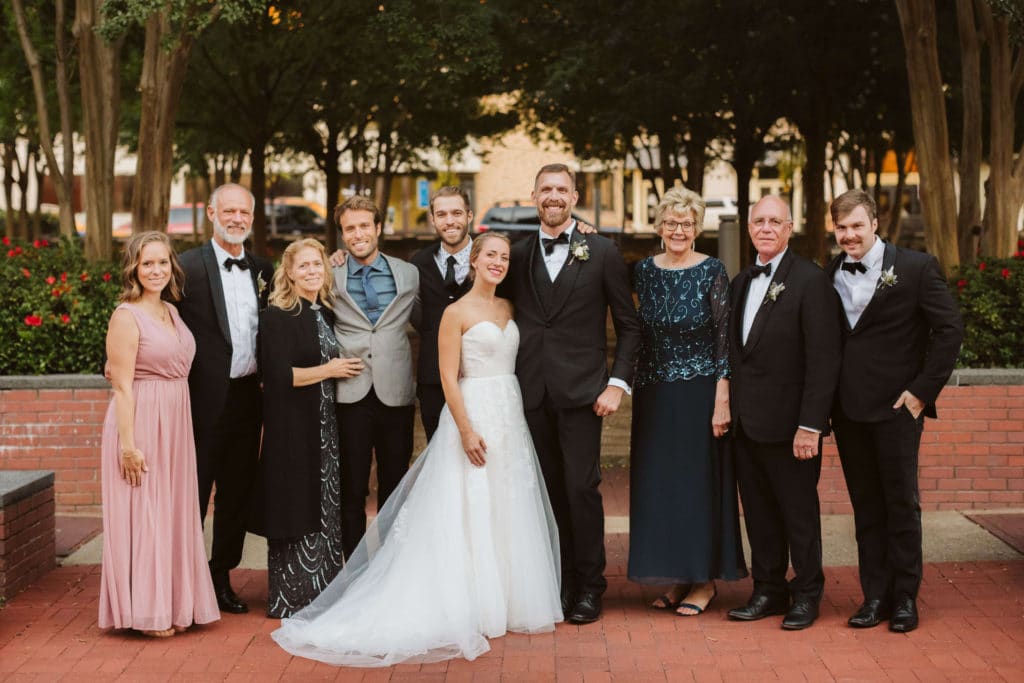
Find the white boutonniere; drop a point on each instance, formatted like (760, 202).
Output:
(774, 290)
(261, 284)
(887, 278)
(580, 251)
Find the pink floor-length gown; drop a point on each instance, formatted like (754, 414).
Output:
(155, 572)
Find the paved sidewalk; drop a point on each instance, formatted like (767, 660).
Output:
(972, 629)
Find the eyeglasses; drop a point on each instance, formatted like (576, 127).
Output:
(762, 221)
(672, 226)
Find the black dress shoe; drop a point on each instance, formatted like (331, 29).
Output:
(568, 601)
(904, 616)
(871, 614)
(801, 615)
(587, 609)
(228, 601)
(759, 607)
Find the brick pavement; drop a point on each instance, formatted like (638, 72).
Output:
(972, 629)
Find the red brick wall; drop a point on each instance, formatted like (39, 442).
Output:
(27, 548)
(971, 458)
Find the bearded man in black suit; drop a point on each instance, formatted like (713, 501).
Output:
(563, 284)
(444, 270)
(784, 358)
(902, 333)
(225, 287)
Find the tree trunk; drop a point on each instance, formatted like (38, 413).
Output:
(10, 219)
(814, 190)
(1006, 176)
(39, 170)
(931, 134)
(99, 66)
(257, 159)
(745, 154)
(23, 227)
(160, 85)
(332, 181)
(969, 162)
(62, 176)
(696, 161)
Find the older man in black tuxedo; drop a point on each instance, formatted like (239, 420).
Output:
(563, 284)
(225, 287)
(784, 357)
(902, 333)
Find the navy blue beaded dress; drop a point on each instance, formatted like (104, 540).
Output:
(684, 518)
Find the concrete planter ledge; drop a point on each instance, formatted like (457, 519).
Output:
(18, 484)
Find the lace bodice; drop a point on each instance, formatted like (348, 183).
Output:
(684, 317)
(488, 350)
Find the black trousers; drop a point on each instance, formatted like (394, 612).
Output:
(367, 428)
(783, 517)
(568, 443)
(880, 465)
(229, 457)
(431, 403)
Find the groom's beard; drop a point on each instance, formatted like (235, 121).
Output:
(223, 233)
(554, 214)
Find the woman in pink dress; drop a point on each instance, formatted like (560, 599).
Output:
(155, 576)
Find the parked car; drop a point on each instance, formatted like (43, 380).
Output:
(286, 217)
(179, 222)
(518, 220)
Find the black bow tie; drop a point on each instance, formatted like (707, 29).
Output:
(756, 270)
(853, 267)
(240, 262)
(550, 242)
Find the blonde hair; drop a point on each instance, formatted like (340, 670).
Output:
(131, 288)
(283, 293)
(478, 246)
(680, 200)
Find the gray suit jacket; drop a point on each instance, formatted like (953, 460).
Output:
(384, 347)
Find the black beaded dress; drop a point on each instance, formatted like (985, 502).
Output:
(684, 519)
(299, 567)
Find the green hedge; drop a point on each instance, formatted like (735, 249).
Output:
(54, 308)
(991, 298)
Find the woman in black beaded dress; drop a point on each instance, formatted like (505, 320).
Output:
(684, 521)
(300, 501)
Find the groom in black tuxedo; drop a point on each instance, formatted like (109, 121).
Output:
(225, 287)
(902, 333)
(563, 284)
(784, 357)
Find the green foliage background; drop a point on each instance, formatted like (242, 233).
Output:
(72, 309)
(991, 298)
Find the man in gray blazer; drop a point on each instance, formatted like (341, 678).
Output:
(373, 300)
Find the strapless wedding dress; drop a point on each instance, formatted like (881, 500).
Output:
(459, 553)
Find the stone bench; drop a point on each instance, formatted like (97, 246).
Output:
(27, 540)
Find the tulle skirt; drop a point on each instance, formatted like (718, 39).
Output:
(459, 553)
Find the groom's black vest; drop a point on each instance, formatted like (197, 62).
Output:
(542, 281)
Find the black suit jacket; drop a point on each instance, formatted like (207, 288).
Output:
(908, 338)
(432, 300)
(203, 310)
(564, 350)
(785, 375)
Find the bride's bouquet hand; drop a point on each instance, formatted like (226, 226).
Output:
(475, 448)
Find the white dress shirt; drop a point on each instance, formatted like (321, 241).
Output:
(756, 293)
(856, 289)
(243, 314)
(461, 261)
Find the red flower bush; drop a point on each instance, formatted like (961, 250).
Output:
(33, 320)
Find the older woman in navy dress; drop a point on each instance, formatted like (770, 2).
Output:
(684, 521)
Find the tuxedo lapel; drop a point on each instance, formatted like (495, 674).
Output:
(532, 254)
(742, 286)
(216, 289)
(401, 287)
(765, 309)
(566, 280)
(833, 271)
(881, 291)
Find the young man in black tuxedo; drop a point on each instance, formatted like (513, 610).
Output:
(902, 333)
(563, 284)
(784, 358)
(225, 287)
(444, 270)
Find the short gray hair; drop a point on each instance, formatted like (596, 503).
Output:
(225, 186)
(680, 200)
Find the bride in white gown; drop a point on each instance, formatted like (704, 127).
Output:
(466, 547)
